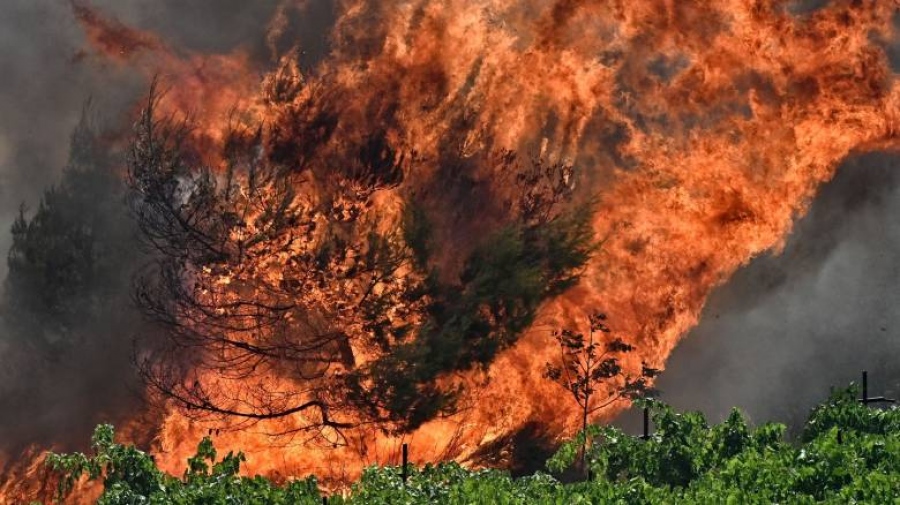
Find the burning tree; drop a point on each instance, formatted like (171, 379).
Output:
(289, 292)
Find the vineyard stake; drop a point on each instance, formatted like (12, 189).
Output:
(404, 471)
(865, 386)
(646, 435)
(865, 400)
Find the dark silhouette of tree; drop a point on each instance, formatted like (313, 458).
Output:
(67, 261)
(66, 317)
(284, 295)
(590, 366)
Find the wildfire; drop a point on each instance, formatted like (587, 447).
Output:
(703, 129)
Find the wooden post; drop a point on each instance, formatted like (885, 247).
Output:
(404, 471)
(324, 500)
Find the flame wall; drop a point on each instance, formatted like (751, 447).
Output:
(703, 128)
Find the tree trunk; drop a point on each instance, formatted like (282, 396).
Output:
(584, 446)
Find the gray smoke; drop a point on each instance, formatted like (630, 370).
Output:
(48, 74)
(786, 328)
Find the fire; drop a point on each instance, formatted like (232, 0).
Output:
(703, 129)
(210, 89)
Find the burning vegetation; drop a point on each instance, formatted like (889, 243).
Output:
(378, 248)
(303, 285)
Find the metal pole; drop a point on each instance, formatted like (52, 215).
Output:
(324, 500)
(404, 471)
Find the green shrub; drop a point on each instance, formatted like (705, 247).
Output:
(848, 453)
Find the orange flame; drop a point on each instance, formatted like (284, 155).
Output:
(703, 128)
